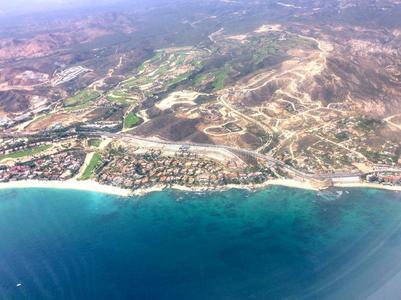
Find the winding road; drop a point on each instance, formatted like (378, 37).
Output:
(268, 159)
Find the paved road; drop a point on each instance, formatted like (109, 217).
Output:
(270, 160)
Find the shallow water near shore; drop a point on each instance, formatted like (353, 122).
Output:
(272, 244)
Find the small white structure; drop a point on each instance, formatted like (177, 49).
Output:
(353, 179)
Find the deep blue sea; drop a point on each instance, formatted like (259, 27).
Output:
(278, 243)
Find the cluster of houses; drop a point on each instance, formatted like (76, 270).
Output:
(387, 178)
(60, 166)
(133, 170)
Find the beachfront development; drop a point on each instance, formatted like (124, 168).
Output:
(243, 105)
(138, 164)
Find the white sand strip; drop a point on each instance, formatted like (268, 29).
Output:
(87, 185)
(369, 185)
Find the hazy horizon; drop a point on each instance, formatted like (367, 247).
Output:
(26, 6)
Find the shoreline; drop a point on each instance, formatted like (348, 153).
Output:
(93, 186)
(291, 183)
(367, 185)
(87, 185)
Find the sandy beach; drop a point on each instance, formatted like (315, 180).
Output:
(90, 185)
(369, 186)
(70, 184)
(94, 186)
(305, 185)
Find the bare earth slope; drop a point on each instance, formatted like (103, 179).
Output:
(314, 84)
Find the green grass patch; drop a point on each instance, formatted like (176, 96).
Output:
(94, 162)
(131, 120)
(197, 64)
(119, 93)
(26, 152)
(41, 117)
(201, 78)
(162, 70)
(178, 79)
(94, 142)
(264, 51)
(118, 96)
(122, 101)
(180, 59)
(144, 80)
(81, 98)
(134, 82)
(158, 56)
(219, 79)
(78, 107)
(141, 68)
(130, 81)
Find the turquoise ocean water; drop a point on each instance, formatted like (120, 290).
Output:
(278, 243)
